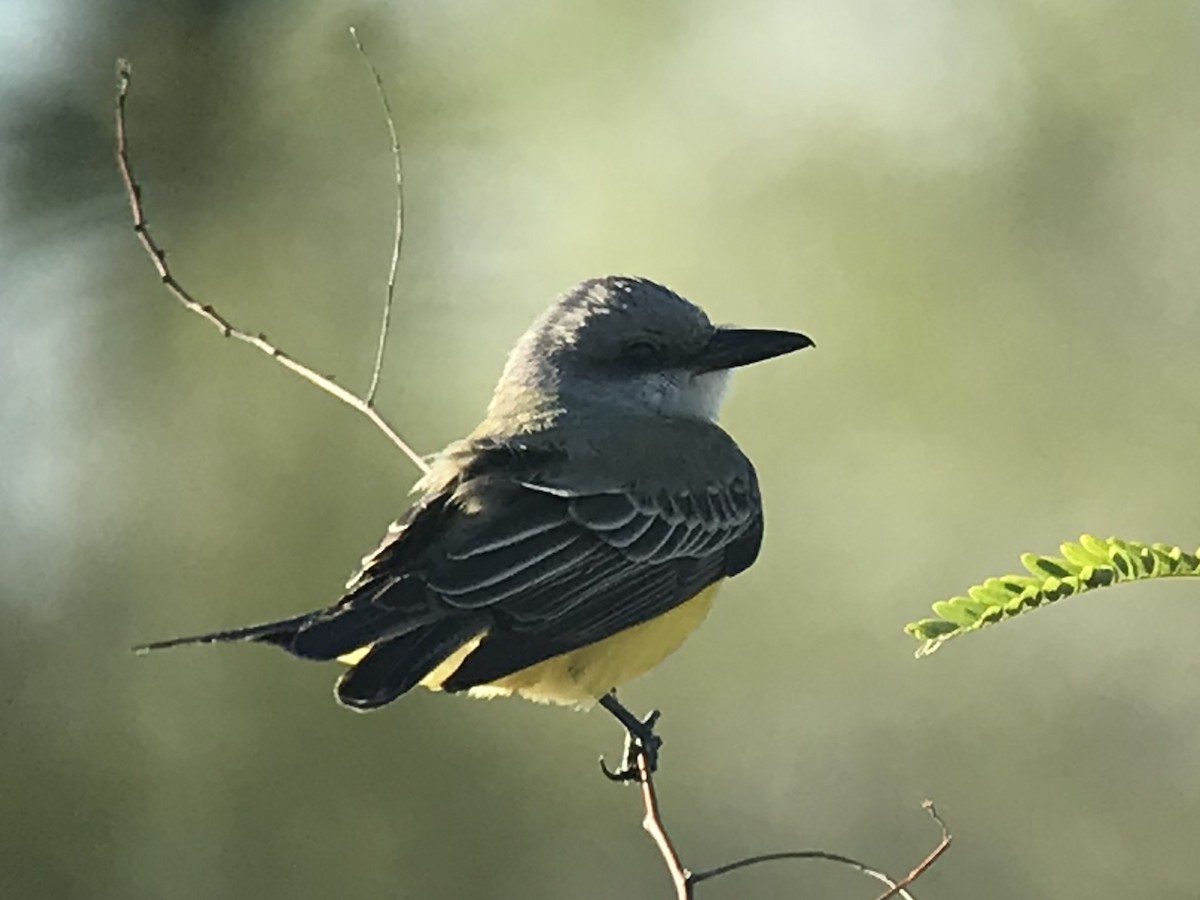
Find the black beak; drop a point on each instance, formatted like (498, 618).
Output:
(733, 347)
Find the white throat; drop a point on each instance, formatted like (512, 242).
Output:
(681, 395)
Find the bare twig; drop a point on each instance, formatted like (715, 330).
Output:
(158, 258)
(681, 878)
(685, 881)
(898, 889)
(398, 241)
(895, 889)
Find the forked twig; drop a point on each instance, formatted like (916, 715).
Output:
(158, 258)
(685, 881)
(398, 240)
(897, 889)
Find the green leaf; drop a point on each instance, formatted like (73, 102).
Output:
(987, 596)
(1123, 562)
(1047, 566)
(1081, 556)
(927, 629)
(956, 610)
(1085, 566)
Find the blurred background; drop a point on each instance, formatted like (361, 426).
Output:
(986, 215)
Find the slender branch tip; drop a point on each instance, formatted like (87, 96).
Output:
(158, 258)
(398, 237)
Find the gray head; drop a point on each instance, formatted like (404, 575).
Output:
(629, 343)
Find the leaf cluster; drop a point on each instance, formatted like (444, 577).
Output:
(1083, 566)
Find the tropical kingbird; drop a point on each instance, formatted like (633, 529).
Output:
(577, 536)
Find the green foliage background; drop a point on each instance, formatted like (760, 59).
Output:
(986, 215)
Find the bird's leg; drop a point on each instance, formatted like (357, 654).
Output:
(640, 739)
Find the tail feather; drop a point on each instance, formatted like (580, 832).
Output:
(374, 614)
(342, 630)
(280, 633)
(322, 635)
(398, 664)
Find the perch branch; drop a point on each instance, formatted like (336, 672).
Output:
(158, 259)
(681, 878)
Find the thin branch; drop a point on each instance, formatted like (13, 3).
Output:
(158, 258)
(895, 889)
(898, 889)
(685, 881)
(681, 878)
(398, 241)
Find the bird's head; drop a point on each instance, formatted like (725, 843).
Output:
(631, 344)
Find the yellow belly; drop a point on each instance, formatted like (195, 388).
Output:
(581, 677)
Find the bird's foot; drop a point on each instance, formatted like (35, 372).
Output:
(640, 741)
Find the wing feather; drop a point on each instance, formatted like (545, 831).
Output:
(512, 530)
(501, 565)
(494, 594)
(603, 512)
(640, 555)
(630, 533)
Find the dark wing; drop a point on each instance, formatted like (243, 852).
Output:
(538, 571)
(594, 565)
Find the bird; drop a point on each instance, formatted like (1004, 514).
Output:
(576, 537)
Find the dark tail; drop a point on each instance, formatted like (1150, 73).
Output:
(324, 634)
(396, 665)
(281, 633)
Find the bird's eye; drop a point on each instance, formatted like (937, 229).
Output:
(641, 350)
